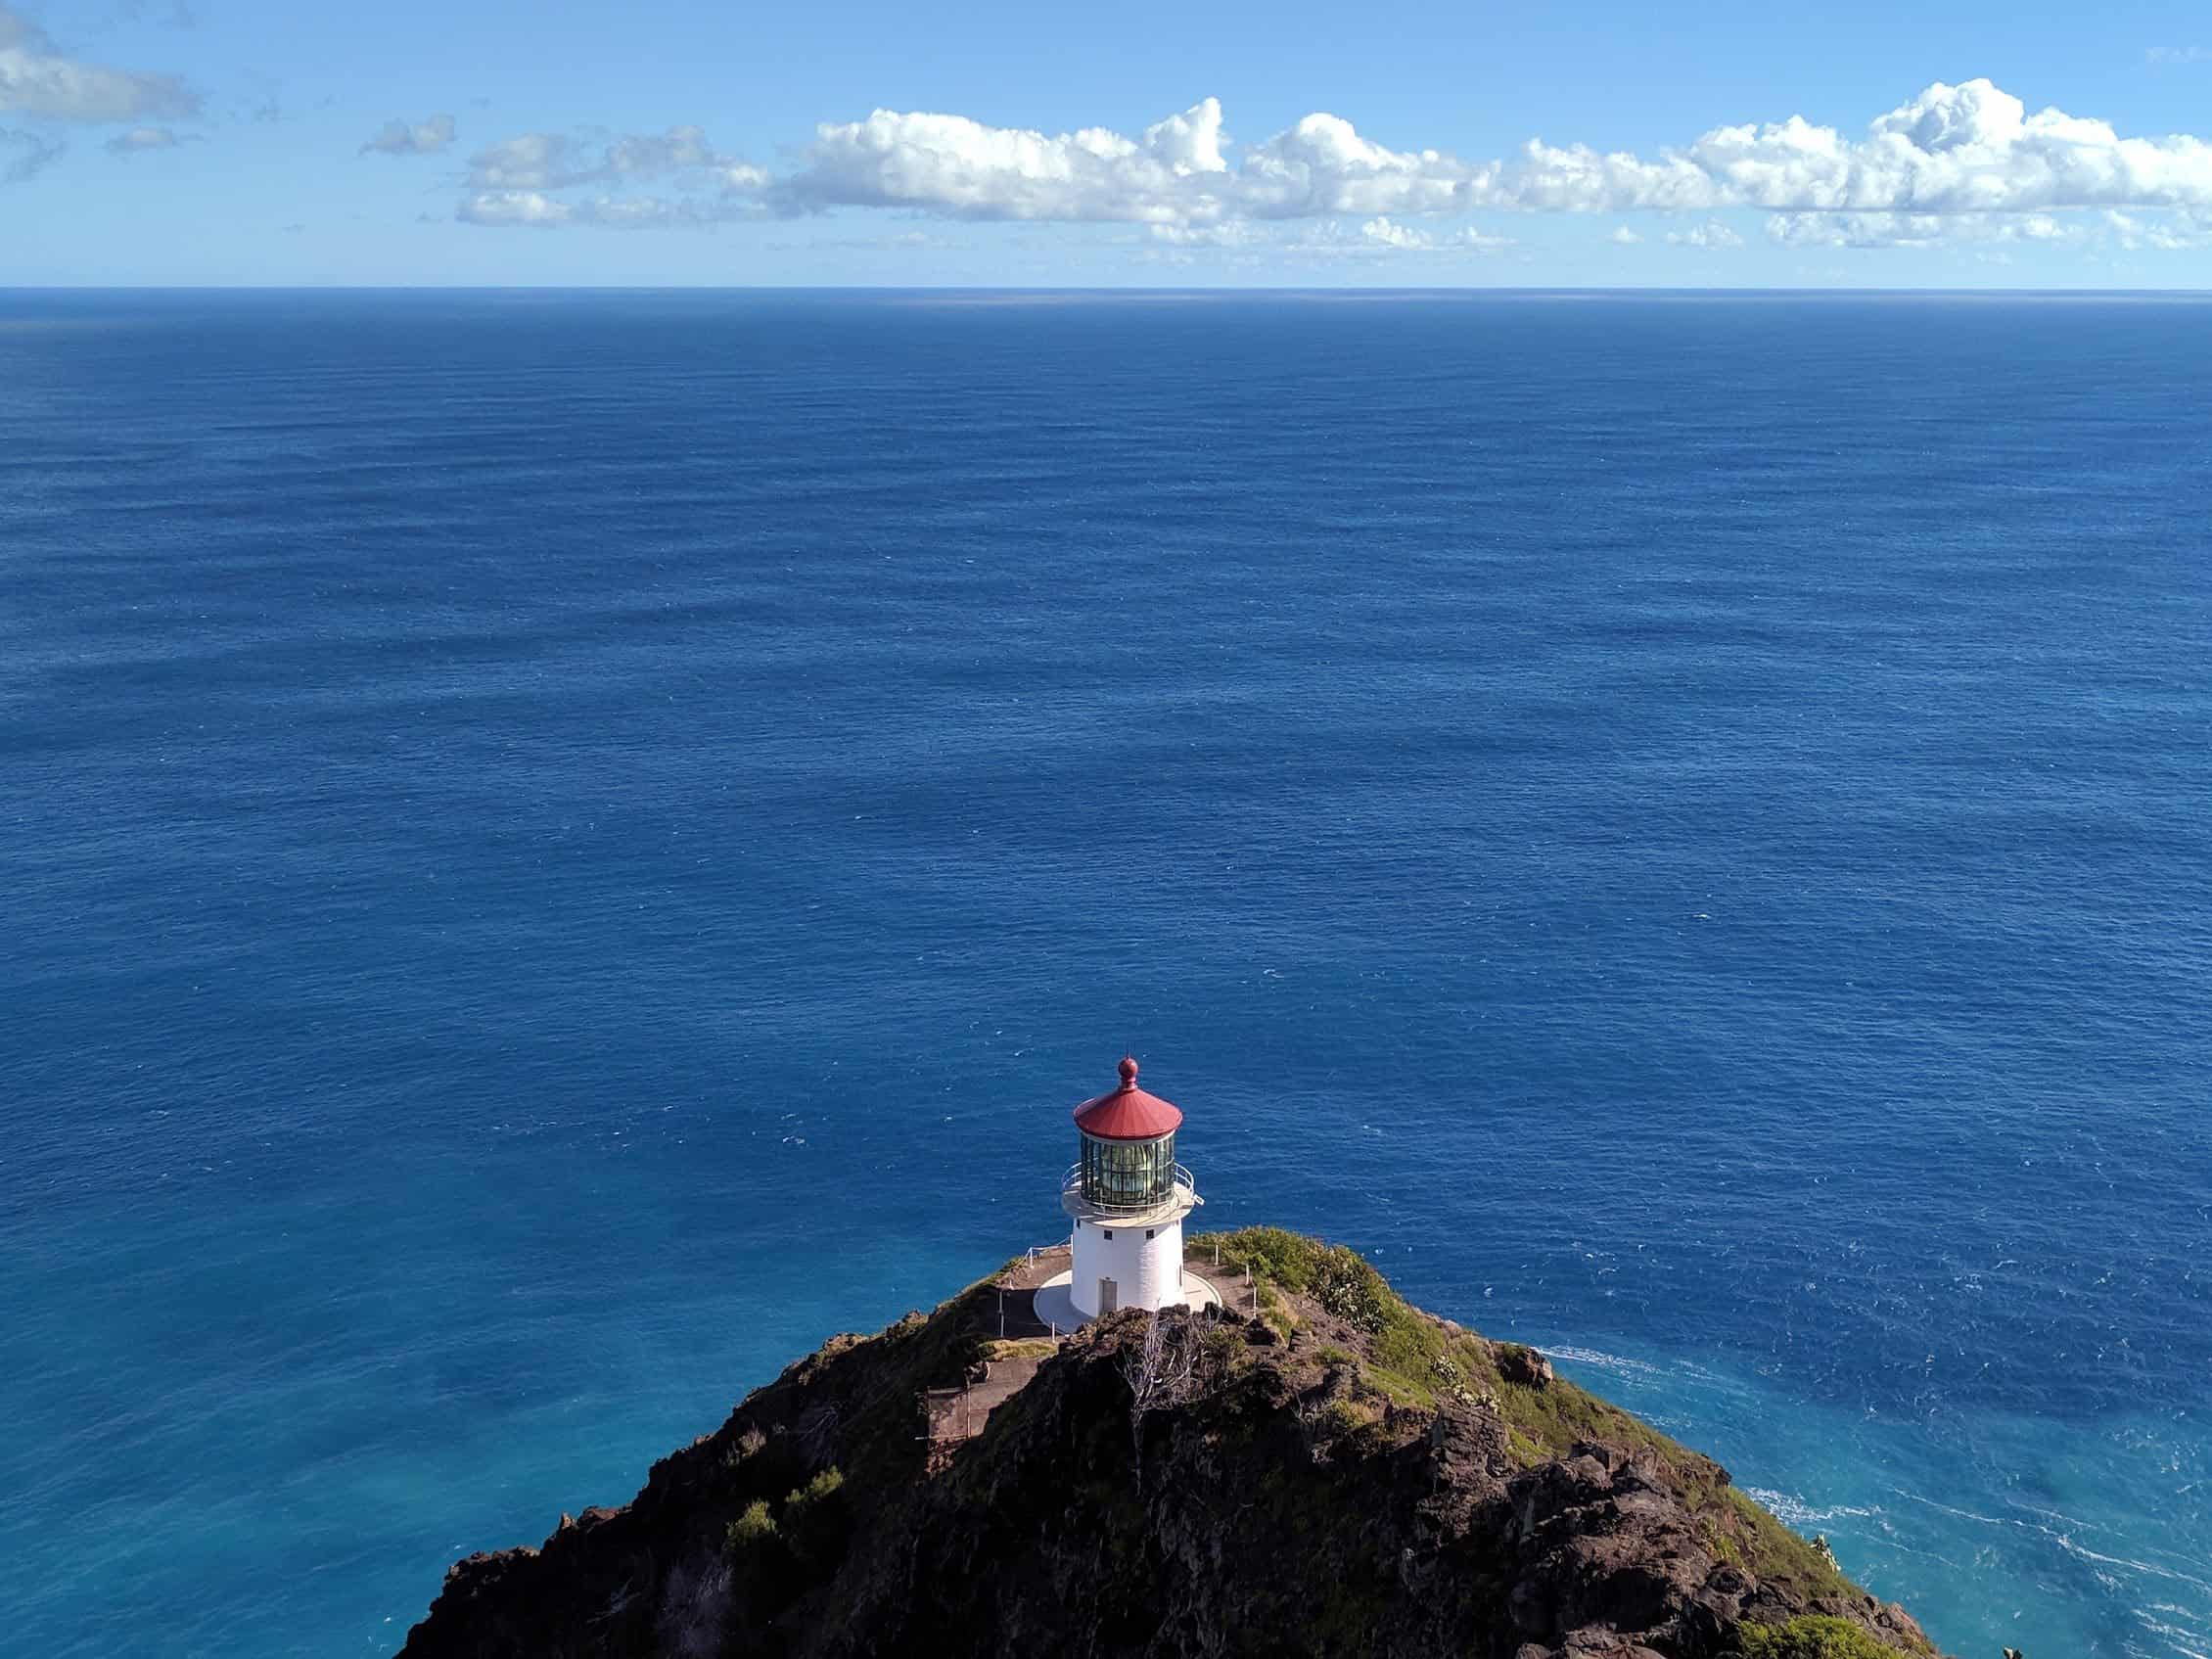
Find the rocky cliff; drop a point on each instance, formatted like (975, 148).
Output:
(1324, 1470)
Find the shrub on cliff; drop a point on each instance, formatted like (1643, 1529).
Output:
(753, 1528)
(1810, 1637)
(816, 1519)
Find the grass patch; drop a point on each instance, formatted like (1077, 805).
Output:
(1403, 1345)
(1020, 1348)
(1809, 1638)
(1412, 1360)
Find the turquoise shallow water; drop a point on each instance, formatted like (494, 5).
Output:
(563, 846)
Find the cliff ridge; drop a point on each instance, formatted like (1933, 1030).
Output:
(1315, 1468)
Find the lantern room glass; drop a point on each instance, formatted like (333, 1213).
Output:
(1128, 1174)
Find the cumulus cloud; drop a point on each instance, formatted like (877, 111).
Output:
(418, 138)
(552, 161)
(1970, 148)
(1919, 230)
(1710, 234)
(1323, 165)
(2167, 234)
(1383, 232)
(1625, 236)
(512, 207)
(1380, 238)
(142, 138)
(535, 209)
(1176, 172)
(1967, 147)
(23, 155)
(952, 164)
(1969, 154)
(1224, 233)
(37, 80)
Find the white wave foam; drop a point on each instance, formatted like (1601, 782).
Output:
(1600, 1361)
(1796, 1512)
(2150, 1567)
(2179, 1635)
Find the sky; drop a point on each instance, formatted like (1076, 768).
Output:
(676, 142)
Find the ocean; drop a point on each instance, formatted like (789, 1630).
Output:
(562, 847)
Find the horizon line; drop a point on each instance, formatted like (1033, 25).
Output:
(1353, 291)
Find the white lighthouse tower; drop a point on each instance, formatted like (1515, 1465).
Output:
(1127, 1197)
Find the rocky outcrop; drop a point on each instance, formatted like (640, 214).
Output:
(1341, 1475)
(1524, 1365)
(1602, 1543)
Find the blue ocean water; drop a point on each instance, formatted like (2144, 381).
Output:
(562, 847)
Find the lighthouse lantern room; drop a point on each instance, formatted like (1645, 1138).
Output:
(1127, 1197)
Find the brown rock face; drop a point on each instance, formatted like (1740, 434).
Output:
(1273, 1502)
(1526, 1366)
(1602, 1547)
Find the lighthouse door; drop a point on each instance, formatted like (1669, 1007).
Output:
(1109, 1296)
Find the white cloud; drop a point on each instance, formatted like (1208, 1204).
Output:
(1855, 230)
(1969, 154)
(1378, 238)
(32, 153)
(142, 138)
(518, 182)
(958, 166)
(419, 138)
(1952, 149)
(1175, 173)
(1388, 233)
(535, 208)
(1322, 166)
(1710, 234)
(1970, 148)
(2163, 55)
(551, 160)
(533, 161)
(2168, 234)
(1226, 233)
(502, 207)
(1920, 230)
(1626, 237)
(37, 80)
(679, 147)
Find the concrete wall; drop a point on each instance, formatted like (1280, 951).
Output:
(1147, 1272)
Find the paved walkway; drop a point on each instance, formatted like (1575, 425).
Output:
(957, 1414)
(1054, 1303)
(1033, 1301)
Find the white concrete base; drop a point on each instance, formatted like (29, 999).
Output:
(1056, 1302)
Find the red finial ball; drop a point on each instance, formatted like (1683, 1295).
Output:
(1129, 1071)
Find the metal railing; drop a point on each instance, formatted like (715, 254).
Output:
(1072, 1182)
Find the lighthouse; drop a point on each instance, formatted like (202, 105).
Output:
(1127, 1196)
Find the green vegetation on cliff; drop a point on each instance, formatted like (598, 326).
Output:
(1341, 1475)
(1414, 1358)
(1809, 1638)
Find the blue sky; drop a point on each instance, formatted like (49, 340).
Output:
(674, 142)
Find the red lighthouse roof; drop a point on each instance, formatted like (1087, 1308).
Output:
(1128, 1113)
